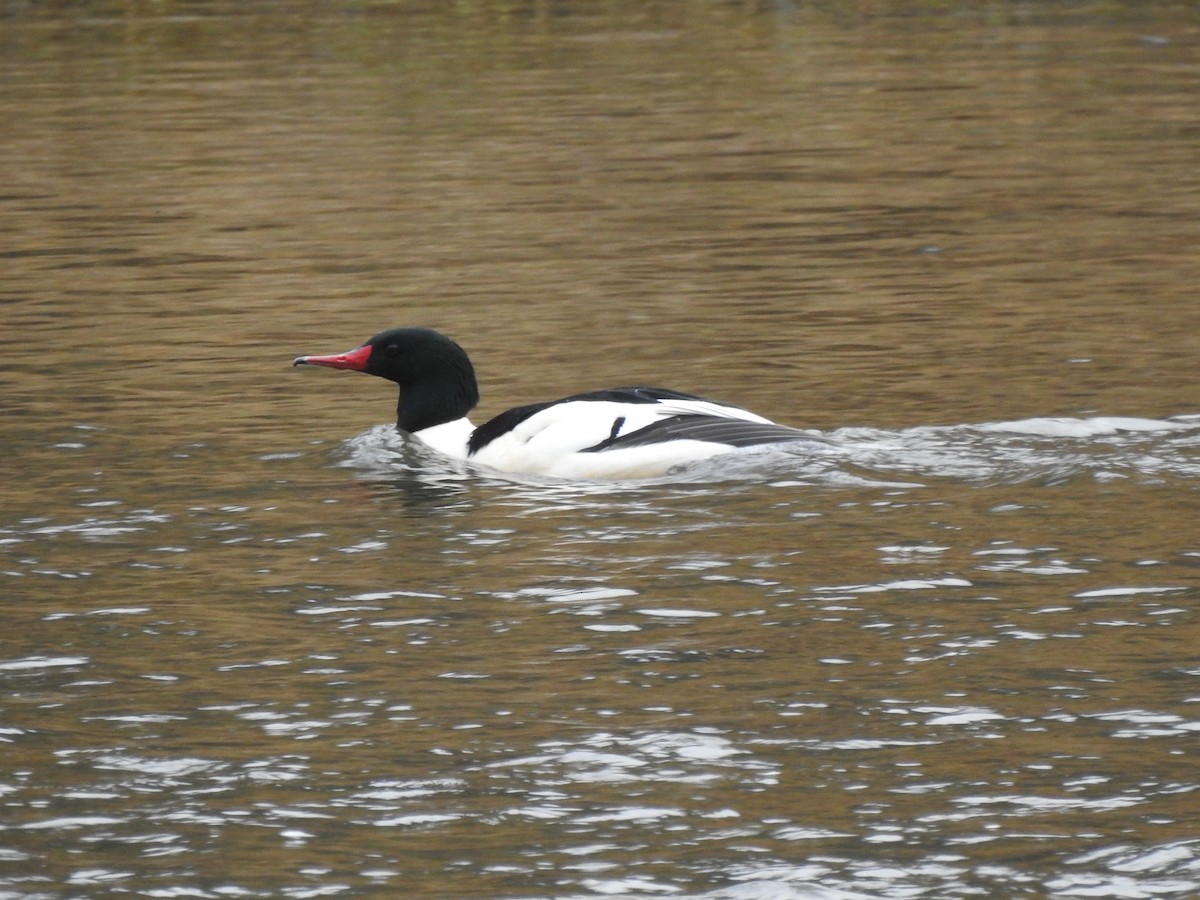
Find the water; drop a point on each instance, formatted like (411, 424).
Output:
(256, 645)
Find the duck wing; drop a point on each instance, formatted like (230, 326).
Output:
(696, 427)
(643, 402)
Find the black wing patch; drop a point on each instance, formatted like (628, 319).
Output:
(636, 395)
(715, 429)
(510, 419)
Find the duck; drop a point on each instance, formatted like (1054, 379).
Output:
(617, 433)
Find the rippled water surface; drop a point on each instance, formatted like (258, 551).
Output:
(257, 645)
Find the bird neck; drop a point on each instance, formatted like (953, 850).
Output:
(426, 404)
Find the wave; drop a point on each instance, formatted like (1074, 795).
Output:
(1042, 450)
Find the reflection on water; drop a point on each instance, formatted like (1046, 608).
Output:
(257, 645)
(782, 684)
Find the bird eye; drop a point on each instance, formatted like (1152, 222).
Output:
(391, 349)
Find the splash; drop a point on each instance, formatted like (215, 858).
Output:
(1036, 450)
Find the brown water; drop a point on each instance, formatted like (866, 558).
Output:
(254, 646)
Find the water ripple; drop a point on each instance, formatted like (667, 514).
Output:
(1031, 450)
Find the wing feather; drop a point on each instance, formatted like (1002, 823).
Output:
(712, 429)
(622, 418)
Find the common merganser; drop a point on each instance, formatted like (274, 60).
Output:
(627, 432)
